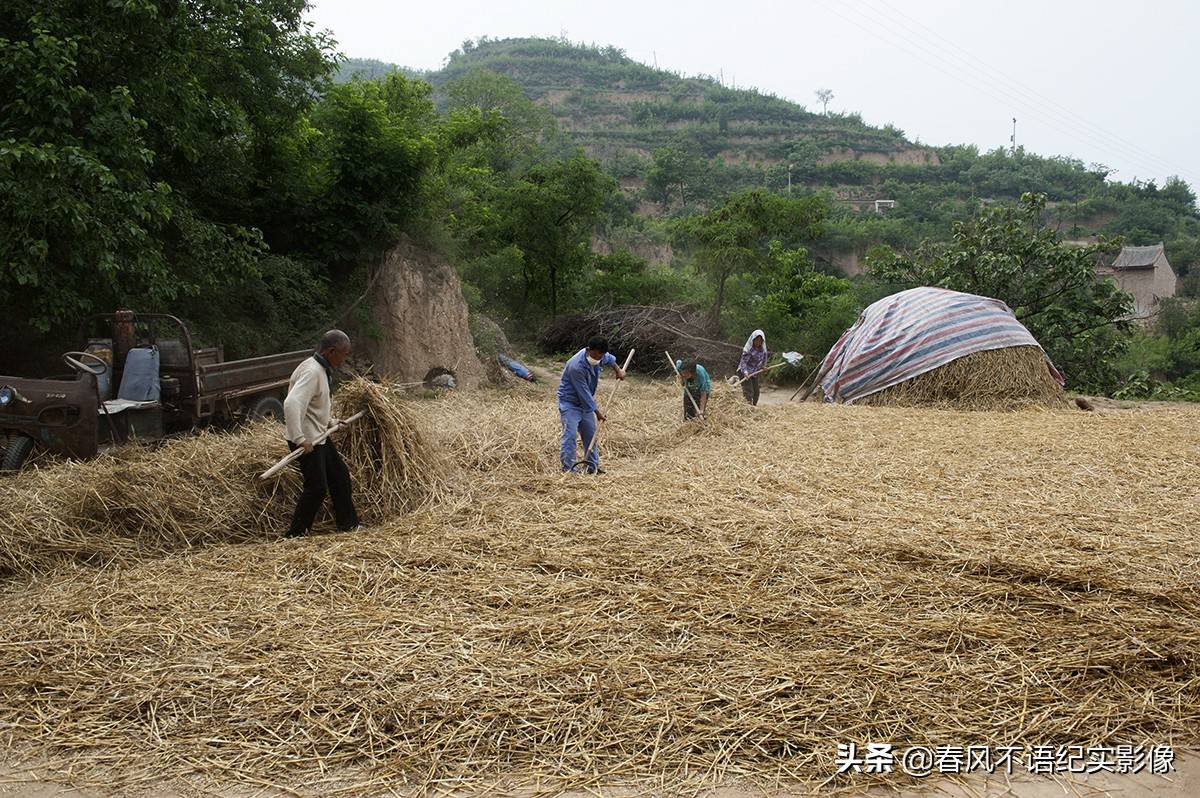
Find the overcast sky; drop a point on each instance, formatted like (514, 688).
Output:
(1102, 81)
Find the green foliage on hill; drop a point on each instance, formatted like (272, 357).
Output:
(1164, 361)
(607, 97)
(349, 69)
(134, 148)
(683, 143)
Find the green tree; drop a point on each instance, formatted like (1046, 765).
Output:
(1180, 194)
(499, 94)
(801, 307)
(1009, 254)
(734, 237)
(823, 97)
(550, 214)
(622, 278)
(803, 159)
(368, 161)
(672, 171)
(131, 142)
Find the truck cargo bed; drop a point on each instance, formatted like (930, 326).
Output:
(236, 377)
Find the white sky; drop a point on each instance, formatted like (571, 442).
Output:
(1102, 81)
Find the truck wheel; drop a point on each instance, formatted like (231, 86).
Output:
(18, 451)
(266, 407)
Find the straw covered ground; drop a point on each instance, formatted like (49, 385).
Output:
(142, 501)
(729, 602)
(1014, 377)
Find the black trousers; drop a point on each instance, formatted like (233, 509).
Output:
(750, 390)
(689, 409)
(324, 472)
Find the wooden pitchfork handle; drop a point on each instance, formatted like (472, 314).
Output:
(608, 404)
(805, 384)
(299, 451)
(760, 371)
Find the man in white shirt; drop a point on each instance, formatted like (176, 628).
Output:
(307, 413)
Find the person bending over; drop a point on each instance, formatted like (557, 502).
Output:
(697, 383)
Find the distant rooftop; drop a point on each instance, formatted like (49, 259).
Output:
(1137, 257)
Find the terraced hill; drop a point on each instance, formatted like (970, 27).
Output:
(680, 143)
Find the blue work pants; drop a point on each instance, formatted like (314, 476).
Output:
(577, 422)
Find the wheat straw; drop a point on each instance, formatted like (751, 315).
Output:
(723, 605)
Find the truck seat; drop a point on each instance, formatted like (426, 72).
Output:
(139, 381)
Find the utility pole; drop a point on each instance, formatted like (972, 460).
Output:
(789, 180)
(653, 53)
(1014, 136)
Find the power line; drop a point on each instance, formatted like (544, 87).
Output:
(916, 53)
(1003, 94)
(955, 71)
(1054, 107)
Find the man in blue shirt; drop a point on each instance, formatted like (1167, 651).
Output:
(577, 400)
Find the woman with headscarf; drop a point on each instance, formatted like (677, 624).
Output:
(754, 360)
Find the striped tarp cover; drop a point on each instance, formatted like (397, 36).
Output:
(907, 334)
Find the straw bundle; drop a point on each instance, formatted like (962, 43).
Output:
(995, 379)
(147, 502)
(387, 451)
(727, 608)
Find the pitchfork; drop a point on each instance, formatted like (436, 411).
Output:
(790, 359)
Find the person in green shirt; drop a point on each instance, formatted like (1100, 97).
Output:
(697, 382)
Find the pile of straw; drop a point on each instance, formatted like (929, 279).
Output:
(714, 609)
(148, 502)
(997, 379)
(389, 454)
(143, 502)
(520, 430)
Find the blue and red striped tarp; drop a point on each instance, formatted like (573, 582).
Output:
(907, 334)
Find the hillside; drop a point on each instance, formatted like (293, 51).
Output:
(609, 103)
(680, 143)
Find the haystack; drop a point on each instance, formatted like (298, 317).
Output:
(143, 502)
(391, 456)
(934, 347)
(994, 379)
